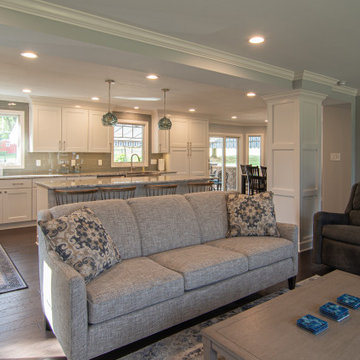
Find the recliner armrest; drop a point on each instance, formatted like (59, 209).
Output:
(322, 218)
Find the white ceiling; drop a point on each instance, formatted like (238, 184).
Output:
(319, 36)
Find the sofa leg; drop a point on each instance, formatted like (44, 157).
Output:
(292, 282)
(47, 325)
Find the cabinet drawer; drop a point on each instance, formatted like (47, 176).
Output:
(16, 184)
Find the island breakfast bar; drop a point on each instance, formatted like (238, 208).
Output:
(46, 196)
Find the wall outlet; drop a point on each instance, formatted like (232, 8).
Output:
(99, 162)
(38, 162)
(153, 161)
(335, 156)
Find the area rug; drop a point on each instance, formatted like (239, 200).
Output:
(187, 344)
(10, 279)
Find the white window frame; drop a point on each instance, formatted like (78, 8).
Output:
(145, 162)
(262, 159)
(21, 115)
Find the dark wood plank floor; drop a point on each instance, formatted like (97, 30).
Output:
(22, 334)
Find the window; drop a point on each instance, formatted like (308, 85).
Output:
(11, 139)
(130, 137)
(254, 150)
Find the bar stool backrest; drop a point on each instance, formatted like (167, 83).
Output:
(73, 196)
(117, 193)
(200, 186)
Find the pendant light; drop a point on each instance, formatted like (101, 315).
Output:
(109, 119)
(164, 123)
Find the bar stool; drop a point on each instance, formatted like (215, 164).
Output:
(200, 186)
(162, 189)
(117, 193)
(73, 196)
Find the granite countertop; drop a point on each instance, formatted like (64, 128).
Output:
(115, 181)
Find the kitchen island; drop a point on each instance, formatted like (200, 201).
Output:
(46, 196)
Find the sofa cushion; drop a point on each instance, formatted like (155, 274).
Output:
(354, 217)
(346, 233)
(124, 233)
(260, 250)
(165, 223)
(131, 285)
(202, 265)
(81, 241)
(251, 215)
(210, 211)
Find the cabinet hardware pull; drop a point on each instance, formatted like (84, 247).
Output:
(64, 146)
(59, 145)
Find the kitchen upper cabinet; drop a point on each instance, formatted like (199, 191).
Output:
(99, 135)
(188, 147)
(75, 125)
(45, 129)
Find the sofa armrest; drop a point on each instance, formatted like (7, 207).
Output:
(290, 232)
(64, 302)
(322, 218)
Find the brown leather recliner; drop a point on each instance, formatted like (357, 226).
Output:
(336, 237)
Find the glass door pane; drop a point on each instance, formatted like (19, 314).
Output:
(216, 156)
(231, 163)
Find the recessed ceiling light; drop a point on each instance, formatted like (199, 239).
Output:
(266, 120)
(250, 94)
(29, 54)
(78, 106)
(136, 107)
(152, 77)
(137, 98)
(256, 39)
(27, 91)
(95, 98)
(234, 117)
(11, 104)
(192, 110)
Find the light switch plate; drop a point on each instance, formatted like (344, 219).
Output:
(335, 156)
(99, 162)
(38, 162)
(153, 161)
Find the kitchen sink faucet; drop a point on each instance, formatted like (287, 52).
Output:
(131, 159)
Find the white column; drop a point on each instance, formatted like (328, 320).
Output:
(293, 146)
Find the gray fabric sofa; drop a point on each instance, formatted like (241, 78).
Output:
(176, 264)
(336, 236)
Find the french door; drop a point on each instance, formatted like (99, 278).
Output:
(224, 161)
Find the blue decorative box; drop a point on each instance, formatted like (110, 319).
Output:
(312, 323)
(349, 300)
(334, 311)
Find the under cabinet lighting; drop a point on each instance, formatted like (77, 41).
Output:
(136, 107)
(26, 91)
(11, 104)
(192, 110)
(234, 117)
(250, 94)
(95, 98)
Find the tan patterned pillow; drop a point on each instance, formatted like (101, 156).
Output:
(81, 241)
(251, 215)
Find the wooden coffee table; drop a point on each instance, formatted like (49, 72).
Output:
(269, 332)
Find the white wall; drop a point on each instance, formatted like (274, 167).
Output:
(336, 182)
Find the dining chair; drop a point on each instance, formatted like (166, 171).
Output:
(200, 186)
(117, 193)
(161, 189)
(73, 196)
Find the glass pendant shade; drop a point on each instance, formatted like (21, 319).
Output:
(109, 119)
(164, 123)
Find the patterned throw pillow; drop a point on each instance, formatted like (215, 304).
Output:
(251, 215)
(82, 242)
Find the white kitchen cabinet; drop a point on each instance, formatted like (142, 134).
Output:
(15, 201)
(75, 125)
(99, 135)
(45, 129)
(34, 202)
(160, 139)
(188, 147)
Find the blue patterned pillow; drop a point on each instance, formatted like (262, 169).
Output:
(81, 241)
(251, 215)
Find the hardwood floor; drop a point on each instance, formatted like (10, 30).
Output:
(22, 333)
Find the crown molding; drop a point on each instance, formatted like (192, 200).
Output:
(294, 94)
(96, 23)
(10, 98)
(327, 81)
